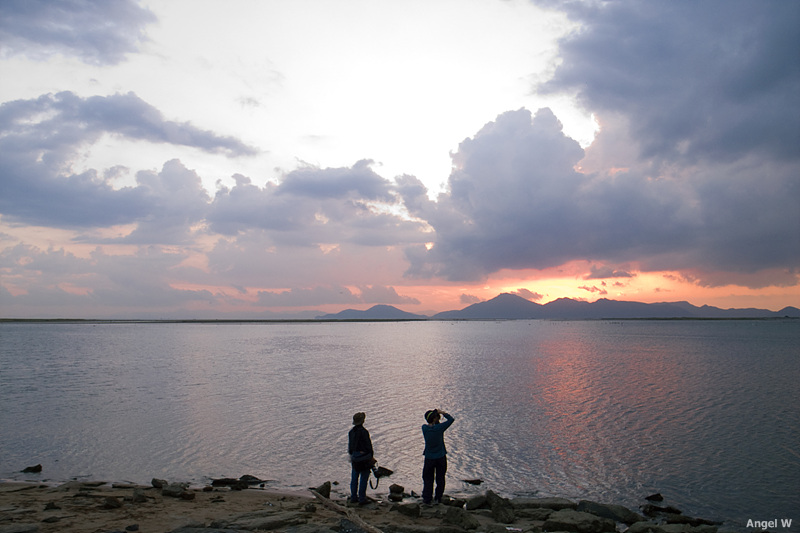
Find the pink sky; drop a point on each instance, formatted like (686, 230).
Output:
(268, 159)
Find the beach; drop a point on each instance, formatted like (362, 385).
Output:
(92, 507)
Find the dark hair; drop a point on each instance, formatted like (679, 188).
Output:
(431, 415)
(359, 418)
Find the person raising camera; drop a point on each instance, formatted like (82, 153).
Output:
(435, 453)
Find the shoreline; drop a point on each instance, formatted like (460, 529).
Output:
(251, 505)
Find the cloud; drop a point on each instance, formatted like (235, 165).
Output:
(376, 294)
(694, 170)
(698, 80)
(469, 299)
(319, 295)
(528, 295)
(56, 282)
(98, 33)
(601, 292)
(515, 201)
(334, 294)
(605, 272)
(41, 138)
(314, 206)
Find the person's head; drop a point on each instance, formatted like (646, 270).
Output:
(359, 418)
(432, 416)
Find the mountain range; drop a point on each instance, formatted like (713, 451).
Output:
(508, 306)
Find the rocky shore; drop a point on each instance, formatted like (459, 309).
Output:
(246, 504)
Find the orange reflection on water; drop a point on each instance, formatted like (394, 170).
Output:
(587, 417)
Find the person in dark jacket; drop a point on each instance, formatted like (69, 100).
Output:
(361, 458)
(435, 453)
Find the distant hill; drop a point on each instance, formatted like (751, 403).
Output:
(510, 306)
(377, 312)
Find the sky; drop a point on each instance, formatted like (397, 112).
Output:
(283, 158)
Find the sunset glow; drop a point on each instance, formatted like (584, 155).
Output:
(276, 159)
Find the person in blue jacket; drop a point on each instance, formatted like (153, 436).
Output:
(359, 448)
(435, 453)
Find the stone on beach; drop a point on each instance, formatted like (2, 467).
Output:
(579, 522)
(502, 509)
(618, 513)
(115, 507)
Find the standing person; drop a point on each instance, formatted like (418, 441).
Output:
(360, 449)
(435, 453)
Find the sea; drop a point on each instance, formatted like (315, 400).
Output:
(704, 412)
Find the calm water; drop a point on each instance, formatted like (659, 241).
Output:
(705, 412)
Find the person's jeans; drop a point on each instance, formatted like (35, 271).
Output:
(433, 469)
(358, 485)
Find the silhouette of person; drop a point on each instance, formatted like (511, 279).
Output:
(361, 458)
(435, 453)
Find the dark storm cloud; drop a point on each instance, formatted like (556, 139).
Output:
(515, 201)
(99, 32)
(709, 80)
(695, 168)
(40, 139)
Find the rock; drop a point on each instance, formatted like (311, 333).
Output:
(51, 506)
(578, 522)
(189, 529)
(645, 527)
(324, 489)
(223, 482)
(541, 514)
(19, 528)
(473, 481)
(453, 502)
(654, 510)
(310, 508)
(132, 527)
(502, 510)
(159, 483)
(410, 509)
(460, 518)
(556, 504)
(478, 501)
(32, 469)
(396, 492)
(346, 526)
(261, 520)
(138, 496)
(112, 502)
(618, 513)
(670, 518)
(657, 497)
(175, 490)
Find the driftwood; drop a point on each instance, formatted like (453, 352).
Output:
(351, 514)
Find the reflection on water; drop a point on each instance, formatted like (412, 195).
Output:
(704, 412)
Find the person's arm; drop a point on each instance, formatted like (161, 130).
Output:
(448, 419)
(369, 442)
